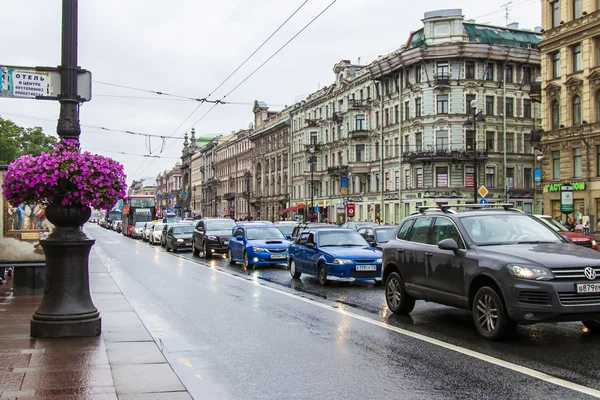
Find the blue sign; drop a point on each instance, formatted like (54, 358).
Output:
(537, 175)
(169, 210)
(317, 209)
(483, 201)
(344, 184)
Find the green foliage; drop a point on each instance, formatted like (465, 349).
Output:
(16, 141)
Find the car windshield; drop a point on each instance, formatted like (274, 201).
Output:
(554, 224)
(140, 224)
(341, 238)
(507, 229)
(148, 226)
(384, 235)
(159, 227)
(182, 230)
(286, 229)
(263, 234)
(363, 224)
(222, 225)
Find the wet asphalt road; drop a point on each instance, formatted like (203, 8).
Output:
(258, 334)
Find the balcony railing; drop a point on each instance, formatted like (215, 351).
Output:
(442, 79)
(359, 133)
(311, 122)
(229, 196)
(429, 155)
(317, 148)
(337, 170)
(356, 104)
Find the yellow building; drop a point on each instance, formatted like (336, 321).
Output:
(570, 95)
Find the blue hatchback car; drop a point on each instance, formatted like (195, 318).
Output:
(334, 254)
(254, 244)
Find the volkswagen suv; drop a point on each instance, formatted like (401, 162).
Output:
(505, 266)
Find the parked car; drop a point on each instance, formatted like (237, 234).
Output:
(257, 244)
(243, 223)
(357, 225)
(138, 230)
(505, 266)
(377, 236)
(334, 254)
(310, 225)
(147, 227)
(179, 236)
(163, 237)
(212, 236)
(156, 233)
(286, 227)
(118, 226)
(577, 238)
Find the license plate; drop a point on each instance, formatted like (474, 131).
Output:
(366, 268)
(587, 288)
(278, 256)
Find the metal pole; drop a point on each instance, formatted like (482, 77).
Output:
(381, 174)
(504, 129)
(474, 157)
(534, 208)
(312, 183)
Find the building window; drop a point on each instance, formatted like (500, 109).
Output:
(397, 147)
(508, 73)
(526, 108)
(576, 9)
(490, 177)
(489, 105)
(510, 142)
(418, 141)
(555, 114)
(418, 107)
(469, 140)
(468, 99)
(406, 179)
(555, 61)
(556, 165)
(396, 114)
(441, 140)
(442, 70)
(576, 53)
(510, 177)
(598, 160)
(469, 177)
(597, 104)
(376, 119)
(490, 141)
(441, 176)
(387, 117)
(419, 178)
(577, 173)
(555, 13)
(527, 181)
(360, 153)
(597, 49)
(469, 70)
(418, 74)
(527, 144)
(510, 106)
(576, 110)
(406, 110)
(442, 104)
(489, 71)
(361, 120)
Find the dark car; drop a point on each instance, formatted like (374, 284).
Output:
(179, 237)
(377, 236)
(212, 236)
(505, 266)
(310, 225)
(334, 254)
(357, 225)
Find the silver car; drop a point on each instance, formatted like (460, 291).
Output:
(147, 229)
(138, 230)
(156, 233)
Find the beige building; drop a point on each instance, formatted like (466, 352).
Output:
(570, 52)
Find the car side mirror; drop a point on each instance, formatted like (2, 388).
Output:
(240, 238)
(310, 245)
(448, 244)
(288, 237)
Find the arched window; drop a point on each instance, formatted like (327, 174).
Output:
(598, 106)
(576, 110)
(555, 114)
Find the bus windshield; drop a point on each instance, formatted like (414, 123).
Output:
(141, 202)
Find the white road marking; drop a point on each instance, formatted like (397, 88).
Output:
(467, 352)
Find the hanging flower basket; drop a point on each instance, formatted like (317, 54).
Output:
(65, 176)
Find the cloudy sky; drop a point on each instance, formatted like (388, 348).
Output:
(188, 47)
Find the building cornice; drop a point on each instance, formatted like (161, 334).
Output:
(571, 31)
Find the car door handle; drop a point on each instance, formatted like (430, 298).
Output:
(428, 254)
(400, 250)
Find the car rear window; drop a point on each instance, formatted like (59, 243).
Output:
(420, 230)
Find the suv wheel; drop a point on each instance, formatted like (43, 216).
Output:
(195, 250)
(490, 317)
(398, 301)
(293, 271)
(592, 325)
(205, 250)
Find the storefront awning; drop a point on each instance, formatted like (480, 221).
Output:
(290, 209)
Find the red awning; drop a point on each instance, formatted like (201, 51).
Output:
(290, 209)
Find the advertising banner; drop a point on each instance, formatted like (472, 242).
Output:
(344, 184)
(21, 228)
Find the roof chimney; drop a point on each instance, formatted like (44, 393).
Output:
(513, 25)
(537, 29)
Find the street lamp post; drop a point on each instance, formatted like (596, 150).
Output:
(311, 160)
(478, 118)
(194, 190)
(248, 175)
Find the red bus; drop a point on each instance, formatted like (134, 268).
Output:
(137, 208)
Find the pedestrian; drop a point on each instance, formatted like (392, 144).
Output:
(586, 227)
(569, 224)
(2, 272)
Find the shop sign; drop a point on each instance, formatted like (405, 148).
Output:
(566, 199)
(452, 194)
(556, 187)
(340, 208)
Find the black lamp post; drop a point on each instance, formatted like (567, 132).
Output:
(477, 118)
(248, 176)
(67, 309)
(311, 160)
(194, 190)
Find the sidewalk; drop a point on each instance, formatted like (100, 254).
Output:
(124, 363)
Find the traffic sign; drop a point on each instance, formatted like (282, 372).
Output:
(317, 209)
(483, 201)
(350, 210)
(483, 191)
(340, 208)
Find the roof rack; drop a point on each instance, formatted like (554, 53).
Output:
(449, 208)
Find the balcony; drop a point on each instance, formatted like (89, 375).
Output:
(443, 155)
(535, 91)
(316, 147)
(359, 104)
(359, 133)
(337, 170)
(229, 196)
(442, 80)
(337, 117)
(311, 122)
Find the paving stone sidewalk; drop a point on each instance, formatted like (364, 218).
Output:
(124, 363)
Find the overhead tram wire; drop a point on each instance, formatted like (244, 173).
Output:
(226, 79)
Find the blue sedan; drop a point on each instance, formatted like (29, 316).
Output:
(334, 254)
(257, 244)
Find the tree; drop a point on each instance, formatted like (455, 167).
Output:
(16, 141)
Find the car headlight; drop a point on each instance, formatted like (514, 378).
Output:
(342, 261)
(593, 242)
(379, 261)
(259, 250)
(212, 237)
(530, 272)
(179, 240)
